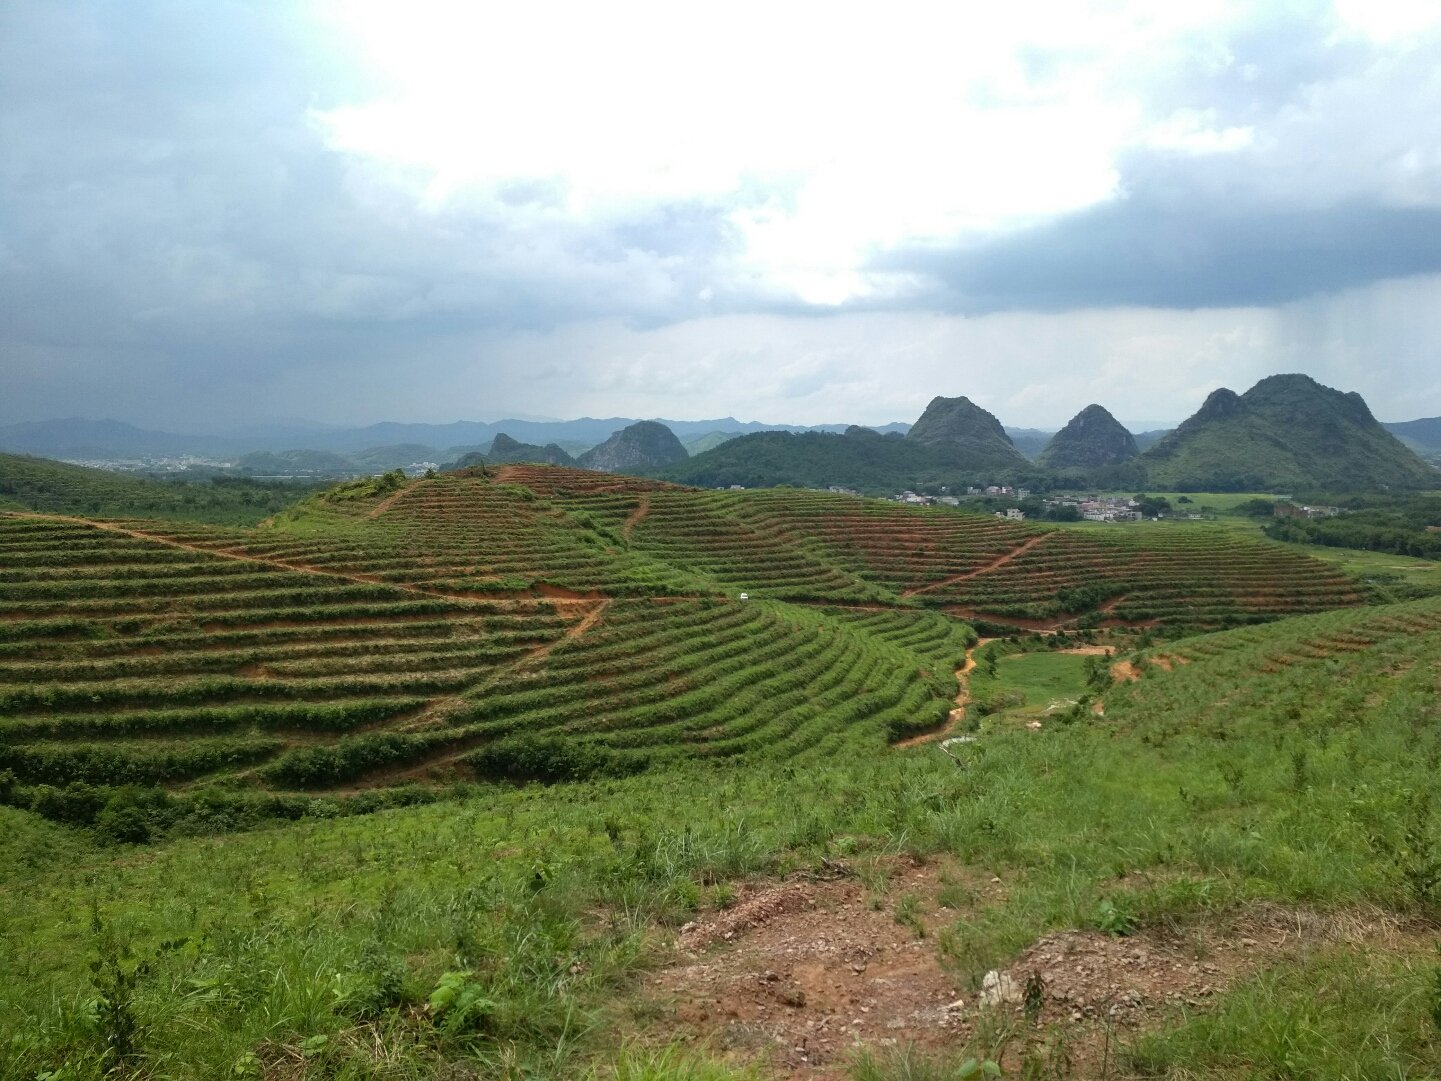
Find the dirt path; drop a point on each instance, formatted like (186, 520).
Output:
(1000, 561)
(389, 501)
(642, 508)
(574, 631)
(963, 699)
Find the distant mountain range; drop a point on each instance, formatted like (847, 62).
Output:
(1286, 432)
(78, 437)
(1422, 436)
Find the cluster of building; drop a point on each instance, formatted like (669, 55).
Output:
(1104, 510)
(156, 463)
(998, 490)
(1286, 509)
(1002, 490)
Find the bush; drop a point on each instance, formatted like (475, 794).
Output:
(551, 758)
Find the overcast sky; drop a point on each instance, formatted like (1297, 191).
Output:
(213, 213)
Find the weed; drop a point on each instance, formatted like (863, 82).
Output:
(1115, 918)
(1034, 997)
(908, 914)
(909, 1063)
(115, 975)
(460, 1003)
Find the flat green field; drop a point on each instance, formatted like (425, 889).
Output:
(1046, 682)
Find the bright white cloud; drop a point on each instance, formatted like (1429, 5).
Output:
(830, 133)
(833, 132)
(373, 209)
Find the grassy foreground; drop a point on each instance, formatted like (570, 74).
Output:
(498, 936)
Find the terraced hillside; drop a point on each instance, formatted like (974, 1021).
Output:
(541, 623)
(131, 658)
(1267, 805)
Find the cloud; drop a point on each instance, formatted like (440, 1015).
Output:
(1140, 253)
(352, 209)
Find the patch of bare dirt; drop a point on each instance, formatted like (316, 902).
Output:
(1166, 662)
(1078, 993)
(795, 977)
(1125, 672)
(798, 973)
(642, 508)
(390, 500)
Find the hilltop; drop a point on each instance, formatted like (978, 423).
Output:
(954, 442)
(1092, 439)
(1286, 432)
(505, 450)
(971, 437)
(642, 447)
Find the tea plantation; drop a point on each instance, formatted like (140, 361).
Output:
(418, 778)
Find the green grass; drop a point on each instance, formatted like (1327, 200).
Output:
(1042, 684)
(1227, 781)
(1380, 570)
(501, 931)
(1338, 1014)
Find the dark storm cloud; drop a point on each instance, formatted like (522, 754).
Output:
(176, 234)
(1305, 162)
(164, 197)
(1138, 253)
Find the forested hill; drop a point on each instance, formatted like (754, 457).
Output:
(55, 487)
(861, 459)
(1092, 439)
(1286, 432)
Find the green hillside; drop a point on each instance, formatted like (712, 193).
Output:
(860, 459)
(973, 439)
(1278, 843)
(1092, 439)
(538, 622)
(39, 484)
(510, 736)
(1286, 432)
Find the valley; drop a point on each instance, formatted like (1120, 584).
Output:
(530, 728)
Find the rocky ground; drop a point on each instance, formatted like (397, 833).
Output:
(798, 975)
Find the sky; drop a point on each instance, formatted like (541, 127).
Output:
(214, 214)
